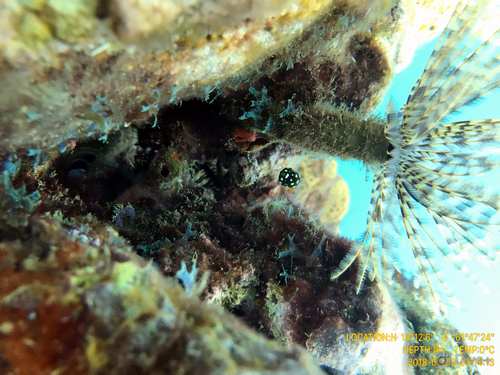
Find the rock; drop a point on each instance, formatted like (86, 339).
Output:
(83, 70)
(70, 307)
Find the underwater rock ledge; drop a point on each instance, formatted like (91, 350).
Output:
(79, 303)
(85, 70)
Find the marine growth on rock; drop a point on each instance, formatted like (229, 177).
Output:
(170, 197)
